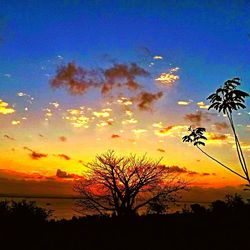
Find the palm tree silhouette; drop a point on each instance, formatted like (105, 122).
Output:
(226, 99)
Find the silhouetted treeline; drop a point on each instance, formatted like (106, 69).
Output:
(222, 225)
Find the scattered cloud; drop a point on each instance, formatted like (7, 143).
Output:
(63, 156)
(171, 130)
(101, 124)
(78, 80)
(130, 121)
(145, 100)
(77, 118)
(15, 122)
(158, 57)
(115, 136)
(202, 105)
(35, 155)
(102, 114)
(54, 104)
(220, 125)
(198, 117)
(62, 138)
(9, 137)
(183, 103)
(27, 97)
(65, 175)
(157, 125)
(161, 150)
(129, 113)
(120, 75)
(5, 109)
(168, 78)
(74, 79)
(124, 101)
(219, 138)
(183, 170)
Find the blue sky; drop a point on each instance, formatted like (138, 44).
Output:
(209, 41)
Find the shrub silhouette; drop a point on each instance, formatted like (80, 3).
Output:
(156, 206)
(23, 211)
(198, 209)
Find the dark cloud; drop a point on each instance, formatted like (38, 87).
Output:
(62, 138)
(219, 137)
(25, 185)
(9, 137)
(221, 125)
(115, 136)
(198, 117)
(183, 170)
(65, 175)
(123, 76)
(35, 155)
(166, 129)
(120, 75)
(145, 100)
(161, 150)
(78, 80)
(63, 156)
(207, 174)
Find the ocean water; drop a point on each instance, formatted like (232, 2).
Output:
(64, 208)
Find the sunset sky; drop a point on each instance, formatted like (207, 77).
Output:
(143, 70)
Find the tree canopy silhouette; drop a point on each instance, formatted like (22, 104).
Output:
(123, 185)
(226, 99)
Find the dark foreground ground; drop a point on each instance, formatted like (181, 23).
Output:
(224, 225)
(151, 232)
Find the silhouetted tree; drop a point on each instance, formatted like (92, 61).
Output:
(122, 185)
(226, 99)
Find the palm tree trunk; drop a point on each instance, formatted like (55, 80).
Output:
(223, 165)
(238, 148)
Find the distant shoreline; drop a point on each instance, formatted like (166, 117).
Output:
(73, 198)
(38, 196)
